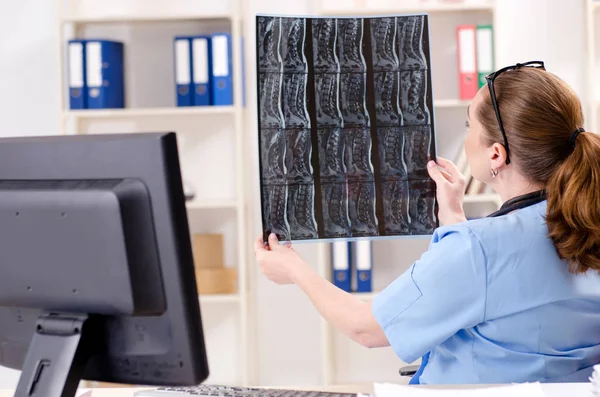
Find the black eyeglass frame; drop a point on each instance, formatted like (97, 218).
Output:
(490, 78)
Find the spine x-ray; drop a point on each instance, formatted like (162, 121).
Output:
(345, 127)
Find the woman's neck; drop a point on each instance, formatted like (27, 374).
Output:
(511, 184)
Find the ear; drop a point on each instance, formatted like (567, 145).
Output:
(497, 156)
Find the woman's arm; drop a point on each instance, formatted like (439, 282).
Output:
(347, 313)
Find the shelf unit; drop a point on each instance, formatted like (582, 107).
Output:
(450, 113)
(131, 20)
(149, 112)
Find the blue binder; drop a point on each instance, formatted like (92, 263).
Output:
(222, 71)
(340, 262)
(363, 264)
(243, 55)
(77, 85)
(104, 74)
(183, 71)
(201, 70)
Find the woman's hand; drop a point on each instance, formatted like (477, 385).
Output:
(277, 262)
(450, 191)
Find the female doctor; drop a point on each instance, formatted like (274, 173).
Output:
(513, 297)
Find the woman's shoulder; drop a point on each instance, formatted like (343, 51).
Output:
(506, 232)
(525, 219)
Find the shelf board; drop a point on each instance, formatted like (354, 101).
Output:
(490, 198)
(150, 112)
(143, 18)
(211, 204)
(363, 11)
(219, 298)
(366, 296)
(450, 103)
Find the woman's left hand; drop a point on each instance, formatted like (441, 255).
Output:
(277, 262)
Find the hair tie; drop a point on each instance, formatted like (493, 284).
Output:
(574, 136)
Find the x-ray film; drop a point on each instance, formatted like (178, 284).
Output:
(346, 128)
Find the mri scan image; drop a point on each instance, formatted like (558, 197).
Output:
(345, 117)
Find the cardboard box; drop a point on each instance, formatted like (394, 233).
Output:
(208, 251)
(216, 281)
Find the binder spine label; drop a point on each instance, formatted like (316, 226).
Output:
(220, 56)
(182, 62)
(484, 49)
(200, 61)
(363, 263)
(76, 65)
(94, 64)
(341, 265)
(466, 39)
(363, 255)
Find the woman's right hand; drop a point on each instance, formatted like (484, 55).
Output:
(450, 190)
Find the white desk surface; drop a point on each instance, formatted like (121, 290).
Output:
(551, 390)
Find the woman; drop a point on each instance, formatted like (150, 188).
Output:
(514, 297)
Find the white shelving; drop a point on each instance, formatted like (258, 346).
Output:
(218, 298)
(209, 138)
(211, 204)
(482, 198)
(144, 18)
(192, 111)
(431, 8)
(450, 103)
(450, 114)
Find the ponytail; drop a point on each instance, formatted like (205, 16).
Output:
(573, 214)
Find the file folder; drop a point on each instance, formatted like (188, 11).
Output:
(243, 55)
(485, 52)
(363, 264)
(467, 62)
(340, 260)
(201, 70)
(104, 74)
(183, 71)
(77, 85)
(222, 79)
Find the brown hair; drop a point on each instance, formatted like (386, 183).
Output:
(540, 112)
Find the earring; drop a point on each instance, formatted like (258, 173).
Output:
(494, 172)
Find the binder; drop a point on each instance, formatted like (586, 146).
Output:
(77, 84)
(243, 55)
(467, 62)
(363, 263)
(183, 71)
(340, 260)
(222, 80)
(201, 70)
(104, 74)
(485, 52)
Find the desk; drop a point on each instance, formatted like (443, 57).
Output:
(551, 390)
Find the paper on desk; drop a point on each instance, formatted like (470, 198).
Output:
(515, 390)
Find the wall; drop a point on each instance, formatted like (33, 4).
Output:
(288, 327)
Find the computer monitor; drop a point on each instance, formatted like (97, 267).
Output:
(97, 278)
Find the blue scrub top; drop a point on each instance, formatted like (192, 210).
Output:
(491, 302)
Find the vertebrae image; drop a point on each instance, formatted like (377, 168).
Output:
(345, 127)
(292, 45)
(350, 40)
(383, 43)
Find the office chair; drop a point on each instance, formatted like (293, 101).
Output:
(408, 370)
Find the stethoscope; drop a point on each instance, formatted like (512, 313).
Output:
(519, 202)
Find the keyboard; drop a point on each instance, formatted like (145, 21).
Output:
(230, 391)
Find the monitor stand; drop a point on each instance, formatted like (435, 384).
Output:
(56, 357)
